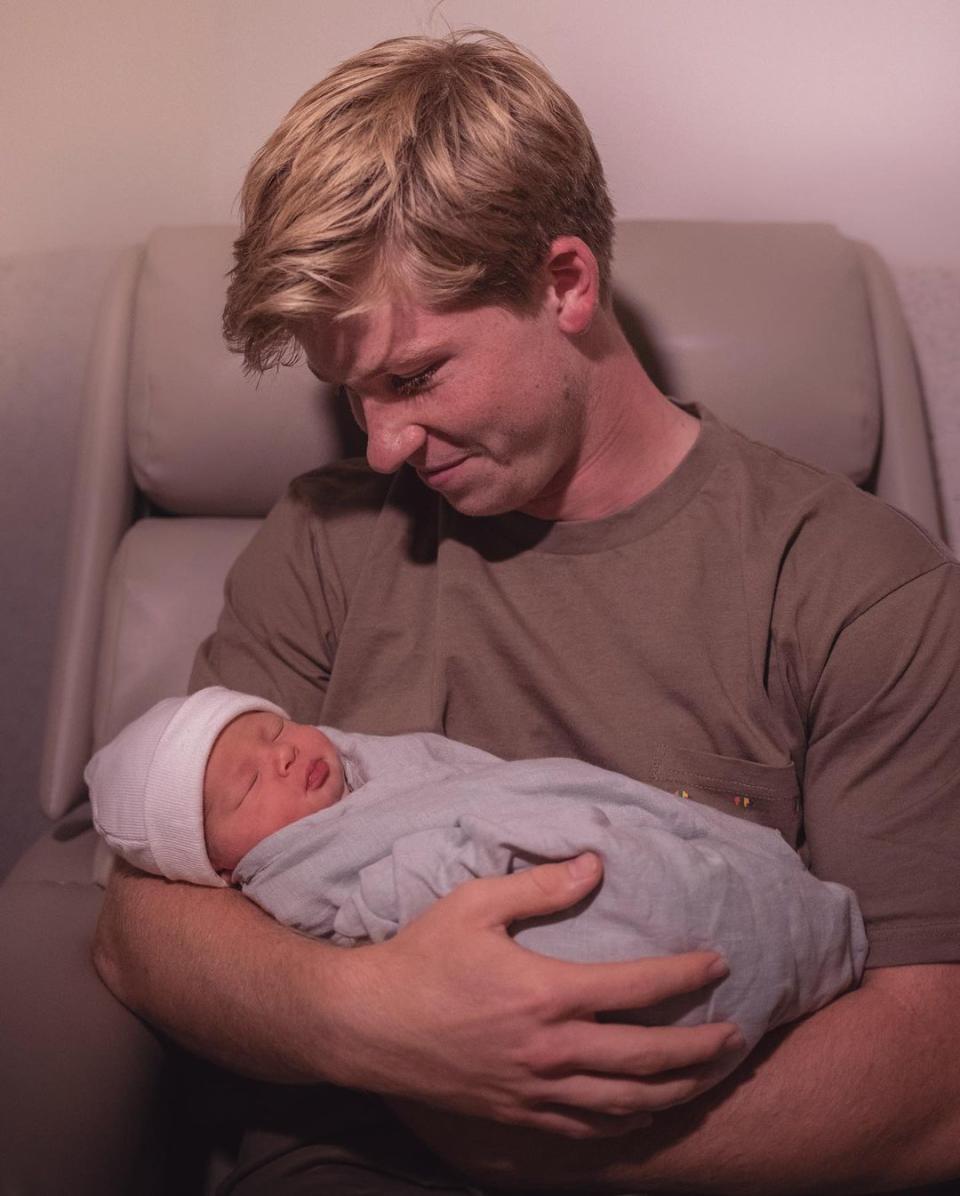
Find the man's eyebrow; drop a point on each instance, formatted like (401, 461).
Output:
(411, 360)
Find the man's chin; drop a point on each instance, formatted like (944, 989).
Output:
(482, 497)
(479, 506)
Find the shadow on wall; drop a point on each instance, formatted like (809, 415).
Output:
(631, 321)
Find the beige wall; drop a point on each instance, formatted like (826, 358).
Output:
(128, 113)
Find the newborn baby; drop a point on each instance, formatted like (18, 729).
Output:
(349, 836)
(263, 773)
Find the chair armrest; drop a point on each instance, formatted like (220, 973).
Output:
(80, 1098)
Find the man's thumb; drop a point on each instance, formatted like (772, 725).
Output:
(543, 889)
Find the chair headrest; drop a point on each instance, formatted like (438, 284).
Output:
(768, 325)
(203, 438)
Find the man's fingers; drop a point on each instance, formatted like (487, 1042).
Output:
(636, 984)
(593, 1096)
(640, 1051)
(581, 989)
(608, 987)
(545, 889)
(574, 1123)
(643, 1070)
(584, 989)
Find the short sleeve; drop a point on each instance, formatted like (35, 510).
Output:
(277, 631)
(882, 773)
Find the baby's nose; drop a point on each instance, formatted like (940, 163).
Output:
(284, 755)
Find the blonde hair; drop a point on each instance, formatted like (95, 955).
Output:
(439, 168)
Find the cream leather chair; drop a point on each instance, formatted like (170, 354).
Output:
(789, 332)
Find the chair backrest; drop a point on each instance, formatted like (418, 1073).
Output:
(789, 332)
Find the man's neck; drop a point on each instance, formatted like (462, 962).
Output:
(633, 439)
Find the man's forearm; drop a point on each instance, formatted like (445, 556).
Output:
(861, 1097)
(451, 1011)
(217, 974)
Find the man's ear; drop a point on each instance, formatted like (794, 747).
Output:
(573, 281)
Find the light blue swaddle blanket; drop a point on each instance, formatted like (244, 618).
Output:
(429, 814)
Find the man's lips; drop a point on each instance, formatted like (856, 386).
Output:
(435, 474)
(317, 774)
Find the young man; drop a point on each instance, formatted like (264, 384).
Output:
(544, 556)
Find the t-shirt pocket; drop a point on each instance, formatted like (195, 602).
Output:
(765, 793)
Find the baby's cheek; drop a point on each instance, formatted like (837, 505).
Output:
(226, 840)
(213, 837)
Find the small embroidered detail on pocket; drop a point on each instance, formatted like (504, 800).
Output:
(742, 801)
(682, 793)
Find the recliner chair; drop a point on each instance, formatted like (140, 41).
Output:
(789, 332)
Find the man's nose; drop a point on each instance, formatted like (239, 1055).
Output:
(392, 437)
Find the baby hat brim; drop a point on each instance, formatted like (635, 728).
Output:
(146, 785)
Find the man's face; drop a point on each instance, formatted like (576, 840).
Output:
(484, 404)
(263, 773)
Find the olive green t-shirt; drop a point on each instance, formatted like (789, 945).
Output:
(754, 634)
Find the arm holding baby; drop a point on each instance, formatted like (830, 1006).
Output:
(270, 805)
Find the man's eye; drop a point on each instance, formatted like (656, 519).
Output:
(415, 382)
(279, 731)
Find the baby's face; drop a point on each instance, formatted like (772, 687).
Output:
(263, 773)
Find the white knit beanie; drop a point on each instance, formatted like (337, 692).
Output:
(146, 786)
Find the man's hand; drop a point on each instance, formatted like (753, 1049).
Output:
(453, 1013)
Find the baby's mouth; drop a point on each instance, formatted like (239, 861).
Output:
(317, 774)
